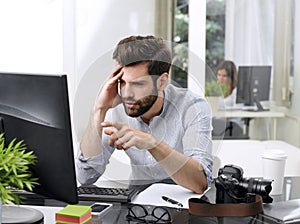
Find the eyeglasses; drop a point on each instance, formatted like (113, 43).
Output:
(148, 214)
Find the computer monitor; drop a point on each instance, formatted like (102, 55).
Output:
(35, 108)
(253, 85)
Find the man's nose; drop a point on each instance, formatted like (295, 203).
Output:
(127, 91)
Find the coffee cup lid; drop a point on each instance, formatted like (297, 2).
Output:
(274, 154)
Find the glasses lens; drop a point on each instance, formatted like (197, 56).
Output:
(137, 211)
(161, 214)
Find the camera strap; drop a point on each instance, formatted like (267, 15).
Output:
(199, 207)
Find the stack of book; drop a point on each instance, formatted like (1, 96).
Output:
(74, 214)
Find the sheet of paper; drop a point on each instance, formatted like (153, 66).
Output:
(153, 195)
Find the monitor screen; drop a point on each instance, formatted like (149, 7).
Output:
(253, 85)
(35, 108)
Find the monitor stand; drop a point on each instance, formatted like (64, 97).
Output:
(16, 215)
(259, 106)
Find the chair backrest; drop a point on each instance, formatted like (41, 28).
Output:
(227, 129)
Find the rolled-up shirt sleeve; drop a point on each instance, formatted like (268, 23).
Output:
(88, 170)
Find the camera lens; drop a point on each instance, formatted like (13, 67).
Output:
(257, 186)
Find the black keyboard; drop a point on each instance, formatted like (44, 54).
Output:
(94, 193)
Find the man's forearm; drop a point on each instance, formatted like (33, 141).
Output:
(91, 143)
(184, 170)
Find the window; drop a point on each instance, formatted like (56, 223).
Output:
(180, 39)
(215, 34)
(244, 31)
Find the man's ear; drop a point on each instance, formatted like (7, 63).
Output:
(162, 81)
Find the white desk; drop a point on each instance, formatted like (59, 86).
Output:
(247, 154)
(248, 115)
(253, 114)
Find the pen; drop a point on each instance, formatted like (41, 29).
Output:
(172, 201)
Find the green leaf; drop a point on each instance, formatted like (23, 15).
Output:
(15, 160)
(214, 88)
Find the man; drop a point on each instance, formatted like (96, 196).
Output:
(165, 130)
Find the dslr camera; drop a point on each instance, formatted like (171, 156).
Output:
(231, 187)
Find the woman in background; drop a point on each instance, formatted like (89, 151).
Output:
(227, 75)
(228, 128)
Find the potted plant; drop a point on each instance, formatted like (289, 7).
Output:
(214, 88)
(213, 91)
(15, 161)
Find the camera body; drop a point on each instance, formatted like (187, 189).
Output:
(232, 187)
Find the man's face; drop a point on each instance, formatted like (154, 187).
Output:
(137, 90)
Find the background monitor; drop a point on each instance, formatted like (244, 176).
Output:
(253, 85)
(35, 108)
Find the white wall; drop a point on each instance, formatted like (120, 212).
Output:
(197, 41)
(295, 101)
(31, 36)
(289, 130)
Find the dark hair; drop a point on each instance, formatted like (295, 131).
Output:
(137, 49)
(231, 71)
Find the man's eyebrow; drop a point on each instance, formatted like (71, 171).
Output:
(141, 81)
(138, 81)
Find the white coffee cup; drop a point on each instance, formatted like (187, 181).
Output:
(273, 161)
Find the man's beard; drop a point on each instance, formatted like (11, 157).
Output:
(140, 106)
